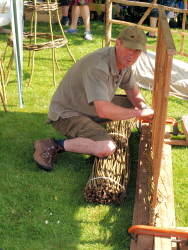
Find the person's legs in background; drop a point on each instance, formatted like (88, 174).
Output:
(65, 11)
(65, 18)
(153, 24)
(85, 12)
(154, 16)
(74, 21)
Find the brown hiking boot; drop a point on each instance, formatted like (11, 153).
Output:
(46, 153)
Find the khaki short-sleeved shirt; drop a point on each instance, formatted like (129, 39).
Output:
(94, 77)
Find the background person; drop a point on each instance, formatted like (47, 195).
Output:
(154, 15)
(65, 14)
(85, 98)
(77, 8)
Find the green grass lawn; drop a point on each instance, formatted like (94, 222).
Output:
(47, 211)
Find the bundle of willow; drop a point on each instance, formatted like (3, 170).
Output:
(110, 176)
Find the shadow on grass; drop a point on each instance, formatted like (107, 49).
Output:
(41, 210)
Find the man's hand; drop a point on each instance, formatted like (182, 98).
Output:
(147, 114)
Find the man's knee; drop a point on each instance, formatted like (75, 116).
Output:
(105, 148)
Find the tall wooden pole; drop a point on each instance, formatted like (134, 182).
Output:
(163, 65)
(108, 22)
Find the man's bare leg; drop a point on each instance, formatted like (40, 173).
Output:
(90, 147)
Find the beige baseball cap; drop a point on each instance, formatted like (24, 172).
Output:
(133, 38)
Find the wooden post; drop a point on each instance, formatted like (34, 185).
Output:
(163, 65)
(184, 123)
(183, 25)
(108, 22)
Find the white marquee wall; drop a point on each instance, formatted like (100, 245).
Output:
(5, 16)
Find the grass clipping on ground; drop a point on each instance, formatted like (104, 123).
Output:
(110, 176)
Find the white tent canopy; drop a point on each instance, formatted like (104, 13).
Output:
(4, 12)
(144, 75)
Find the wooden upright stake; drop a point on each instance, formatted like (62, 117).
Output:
(163, 65)
(184, 122)
(108, 22)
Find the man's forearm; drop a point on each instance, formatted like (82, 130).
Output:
(114, 112)
(136, 98)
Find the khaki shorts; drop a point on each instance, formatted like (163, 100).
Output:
(88, 127)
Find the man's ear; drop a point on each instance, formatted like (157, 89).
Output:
(118, 42)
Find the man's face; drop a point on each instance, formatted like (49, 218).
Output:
(125, 57)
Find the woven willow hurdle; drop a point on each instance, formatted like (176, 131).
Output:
(110, 176)
(54, 41)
